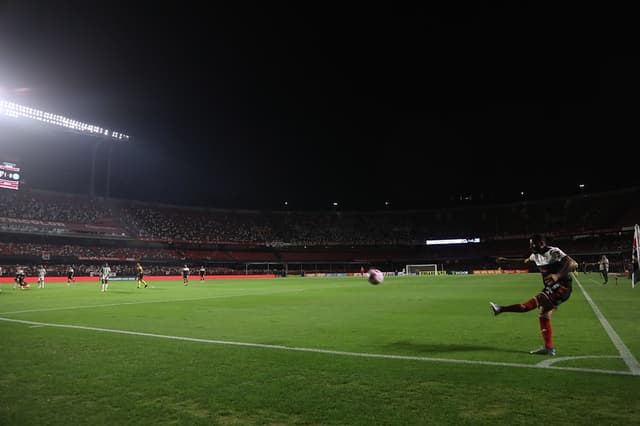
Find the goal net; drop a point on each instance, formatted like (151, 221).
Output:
(426, 269)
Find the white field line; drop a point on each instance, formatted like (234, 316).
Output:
(625, 353)
(552, 360)
(149, 301)
(320, 351)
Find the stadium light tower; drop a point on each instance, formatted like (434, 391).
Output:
(108, 191)
(21, 112)
(94, 155)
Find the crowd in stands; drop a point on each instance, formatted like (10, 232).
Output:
(53, 207)
(153, 222)
(86, 252)
(584, 225)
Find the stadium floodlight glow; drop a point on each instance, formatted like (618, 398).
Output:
(11, 109)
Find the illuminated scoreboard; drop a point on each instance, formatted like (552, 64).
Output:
(9, 176)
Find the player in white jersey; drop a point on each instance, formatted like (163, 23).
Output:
(555, 267)
(41, 273)
(185, 275)
(603, 265)
(105, 272)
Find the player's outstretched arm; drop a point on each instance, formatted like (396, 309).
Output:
(501, 259)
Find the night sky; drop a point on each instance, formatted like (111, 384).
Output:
(250, 106)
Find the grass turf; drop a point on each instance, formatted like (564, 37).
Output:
(468, 367)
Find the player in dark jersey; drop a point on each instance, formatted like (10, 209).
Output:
(202, 272)
(555, 267)
(20, 278)
(140, 275)
(70, 273)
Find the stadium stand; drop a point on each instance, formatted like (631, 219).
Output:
(62, 229)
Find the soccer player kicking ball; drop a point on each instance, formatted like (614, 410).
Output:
(555, 267)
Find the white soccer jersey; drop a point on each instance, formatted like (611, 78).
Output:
(604, 264)
(551, 256)
(106, 271)
(41, 273)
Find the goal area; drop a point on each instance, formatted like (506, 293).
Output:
(424, 269)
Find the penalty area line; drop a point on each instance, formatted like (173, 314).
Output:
(319, 351)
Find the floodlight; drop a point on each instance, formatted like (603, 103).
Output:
(11, 109)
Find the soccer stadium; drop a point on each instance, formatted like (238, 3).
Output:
(283, 328)
(124, 301)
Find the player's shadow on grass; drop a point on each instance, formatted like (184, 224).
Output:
(430, 348)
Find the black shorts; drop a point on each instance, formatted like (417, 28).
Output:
(552, 296)
(70, 275)
(140, 276)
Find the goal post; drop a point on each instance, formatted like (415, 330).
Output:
(423, 269)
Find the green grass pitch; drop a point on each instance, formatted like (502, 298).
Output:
(316, 351)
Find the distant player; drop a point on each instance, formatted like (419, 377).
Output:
(140, 275)
(70, 273)
(20, 279)
(555, 267)
(603, 265)
(41, 273)
(185, 275)
(105, 272)
(202, 272)
(635, 271)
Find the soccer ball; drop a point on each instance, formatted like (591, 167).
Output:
(374, 276)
